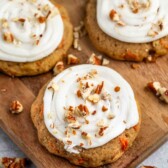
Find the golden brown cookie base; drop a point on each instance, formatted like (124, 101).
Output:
(47, 63)
(117, 49)
(107, 153)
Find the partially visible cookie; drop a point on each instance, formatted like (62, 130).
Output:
(117, 49)
(46, 61)
(68, 135)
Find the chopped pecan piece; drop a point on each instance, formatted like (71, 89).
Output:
(101, 131)
(16, 107)
(42, 19)
(114, 16)
(12, 162)
(99, 88)
(160, 91)
(104, 109)
(94, 98)
(72, 59)
(8, 37)
(59, 67)
(105, 61)
(95, 60)
(135, 66)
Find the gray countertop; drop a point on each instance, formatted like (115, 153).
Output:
(158, 158)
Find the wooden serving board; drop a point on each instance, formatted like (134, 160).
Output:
(154, 113)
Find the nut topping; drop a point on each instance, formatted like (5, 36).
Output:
(16, 107)
(114, 16)
(111, 116)
(8, 37)
(74, 125)
(95, 60)
(59, 67)
(42, 19)
(99, 88)
(104, 109)
(94, 98)
(87, 137)
(105, 61)
(160, 91)
(72, 59)
(12, 162)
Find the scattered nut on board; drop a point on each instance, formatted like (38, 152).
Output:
(16, 107)
(59, 67)
(97, 60)
(159, 90)
(135, 66)
(78, 33)
(72, 59)
(6, 162)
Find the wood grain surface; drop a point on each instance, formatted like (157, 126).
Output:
(154, 113)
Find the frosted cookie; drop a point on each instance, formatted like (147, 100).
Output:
(128, 29)
(86, 114)
(34, 35)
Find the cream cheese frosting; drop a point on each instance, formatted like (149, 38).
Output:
(29, 29)
(88, 105)
(135, 21)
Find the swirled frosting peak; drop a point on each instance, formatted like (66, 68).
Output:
(29, 29)
(88, 106)
(135, 21)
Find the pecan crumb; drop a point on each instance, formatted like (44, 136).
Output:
(160, 91)
(101, 131)
(95, 60)
(16, 107)
(84, 135)
(94, 98)
(94, 112)
(114, 15)
(72, 59)
(41, 19)
(13, 162)
(79, 32)
(104, 109)
(111, 116)
(8, 37)
(79, 94)
(135, 66)
(59, 67)
(105, 61)
(99, 88)
(21, 20)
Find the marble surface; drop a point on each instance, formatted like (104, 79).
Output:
(9, 149)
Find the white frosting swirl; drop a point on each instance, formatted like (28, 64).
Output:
(121, 109)
(32, 38)
(141, 20)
